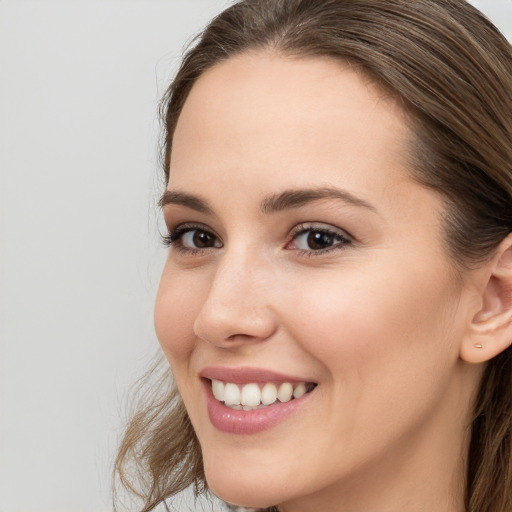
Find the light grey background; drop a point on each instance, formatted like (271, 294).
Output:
(79, 250)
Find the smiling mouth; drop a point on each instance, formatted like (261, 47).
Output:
(252, 396)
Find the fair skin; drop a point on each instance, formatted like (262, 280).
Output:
(372, 313)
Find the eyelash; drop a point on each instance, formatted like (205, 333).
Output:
(344, 238)
(175, 238)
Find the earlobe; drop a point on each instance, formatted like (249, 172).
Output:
(490, 330)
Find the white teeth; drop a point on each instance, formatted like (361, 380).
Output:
(250, 396)
(285, 392)
(231, 394)
(299, 390)
(268, 394)
(218, 390)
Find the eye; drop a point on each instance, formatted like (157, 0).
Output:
(199, 239)
(318, 239)
(192, 238)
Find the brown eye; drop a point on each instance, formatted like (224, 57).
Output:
(199, 239)
(319, 240)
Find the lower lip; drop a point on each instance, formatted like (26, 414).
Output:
(233, 421)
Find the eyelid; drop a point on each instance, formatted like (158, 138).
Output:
(175, 234)
(320, 226)
(346, 238)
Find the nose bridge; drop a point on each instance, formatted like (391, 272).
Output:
(236, 306)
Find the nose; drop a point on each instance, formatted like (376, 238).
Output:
(237, 308)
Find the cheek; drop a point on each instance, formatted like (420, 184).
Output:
(384, 346)
(176, 308)
(361, 312)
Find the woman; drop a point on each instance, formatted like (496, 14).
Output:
(336, 306)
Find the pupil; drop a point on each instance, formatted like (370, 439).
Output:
(202, 239)
(317, 240)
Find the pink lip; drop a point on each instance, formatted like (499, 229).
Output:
(246, 375)
(232, 421)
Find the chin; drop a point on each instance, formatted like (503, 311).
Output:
(244, 498)
(243, 489)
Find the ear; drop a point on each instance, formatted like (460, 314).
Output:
(490, 330)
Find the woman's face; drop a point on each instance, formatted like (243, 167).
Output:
(305, 258)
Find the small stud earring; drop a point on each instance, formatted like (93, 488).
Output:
(478, 345)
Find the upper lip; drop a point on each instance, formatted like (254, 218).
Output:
(246, 375)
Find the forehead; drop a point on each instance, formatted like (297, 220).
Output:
(274, 118)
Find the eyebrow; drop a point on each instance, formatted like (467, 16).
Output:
(296, 198)
(286, 200)
(184, 199)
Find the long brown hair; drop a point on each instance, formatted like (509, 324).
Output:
(451, 69)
